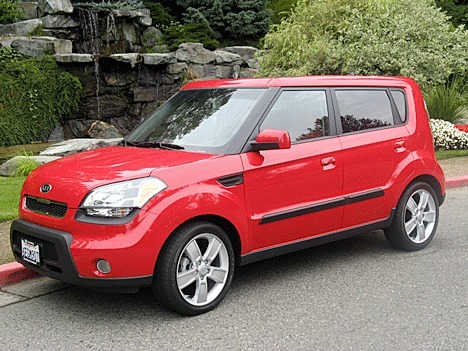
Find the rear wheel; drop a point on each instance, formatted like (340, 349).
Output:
(195, 269)
(416, 218)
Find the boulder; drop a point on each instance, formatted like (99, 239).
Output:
(73, 146)
(177, 68)
(10, 167)
(225, 57)
(158, 59)
(54, 7)
(40, 46)
(132, 59)
(74, 58)
(246, 52)
(20, 28)
(58, 22)
(194, 53)
(29, 9)
(151, 37)
(103, 130)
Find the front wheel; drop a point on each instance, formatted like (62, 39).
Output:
(195, 269)
(416, 218)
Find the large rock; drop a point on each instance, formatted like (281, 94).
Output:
(158, 59)
(74, 58)
(20, 28)
(151, 36)
(246, 52)
(73, 146)
(194, 53)
(225, 57)
(59, 21)
(103, 130)
(10, 167)
(106, 106)
(41, 46)
(54, 7)
(142, 15)
(29, 9)
(132, 59)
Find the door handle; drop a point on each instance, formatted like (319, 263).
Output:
(400, 146)
(328, 163)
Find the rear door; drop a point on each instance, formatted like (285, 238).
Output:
(296, 193)
(374, 141)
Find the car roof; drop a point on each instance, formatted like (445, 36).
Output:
(306, 81)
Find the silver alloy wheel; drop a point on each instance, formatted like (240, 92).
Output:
(202, 269)
(420, 216)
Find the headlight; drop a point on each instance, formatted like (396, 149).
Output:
(120, 199)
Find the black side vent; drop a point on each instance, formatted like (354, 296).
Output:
(231, 180)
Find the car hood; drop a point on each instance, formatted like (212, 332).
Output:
(72, 177)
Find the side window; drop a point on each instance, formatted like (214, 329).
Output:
(364, 109)
(400, 101)
(304, 114)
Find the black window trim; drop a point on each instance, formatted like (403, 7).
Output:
(396, 116)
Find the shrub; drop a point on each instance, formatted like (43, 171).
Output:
(10, 12)
(178, 33)
(159, 14)
(34, 95)
(385, 37)
(26, 165)
(447, 137)
(446, 101)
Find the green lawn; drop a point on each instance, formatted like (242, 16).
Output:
(9, 199)
(446, 154)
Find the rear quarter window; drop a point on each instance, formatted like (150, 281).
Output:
(364, 109)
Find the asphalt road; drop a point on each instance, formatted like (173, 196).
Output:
(357, 294)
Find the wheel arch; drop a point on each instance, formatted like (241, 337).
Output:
(432, 182)
(221, 222)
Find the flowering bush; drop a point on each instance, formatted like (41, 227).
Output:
(447, 137)
(462, 127)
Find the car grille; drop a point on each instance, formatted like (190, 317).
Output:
(49, 208)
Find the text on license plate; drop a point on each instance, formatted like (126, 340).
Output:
(30, 252)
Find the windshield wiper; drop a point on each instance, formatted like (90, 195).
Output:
(151, 144)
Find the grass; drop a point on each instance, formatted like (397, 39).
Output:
(11, 189)
(446, 154)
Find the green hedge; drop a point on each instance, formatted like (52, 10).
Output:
(10, 12)
(34, 95)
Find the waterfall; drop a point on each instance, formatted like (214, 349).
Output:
(90, 31)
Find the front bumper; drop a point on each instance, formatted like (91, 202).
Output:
(56, 258)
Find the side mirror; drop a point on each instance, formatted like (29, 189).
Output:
(271, 139)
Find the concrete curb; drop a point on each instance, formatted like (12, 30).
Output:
(15, 272)
(456, 182)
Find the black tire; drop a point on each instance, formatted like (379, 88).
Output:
(416, 218)
(185, 259)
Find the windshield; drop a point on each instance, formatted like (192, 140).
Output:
(197, 120)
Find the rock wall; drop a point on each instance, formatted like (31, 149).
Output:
(119, 60)
(121, 90)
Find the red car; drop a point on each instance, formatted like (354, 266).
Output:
(229, 172)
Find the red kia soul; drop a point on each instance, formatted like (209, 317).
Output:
(229, 172)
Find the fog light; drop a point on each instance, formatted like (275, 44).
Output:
(103, 266)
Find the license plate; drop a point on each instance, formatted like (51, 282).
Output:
(30, 252)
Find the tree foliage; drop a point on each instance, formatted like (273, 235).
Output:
(34, 95)
(229, 18)
(456, 9)
(387, 37)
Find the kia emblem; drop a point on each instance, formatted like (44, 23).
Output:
(45, 188)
